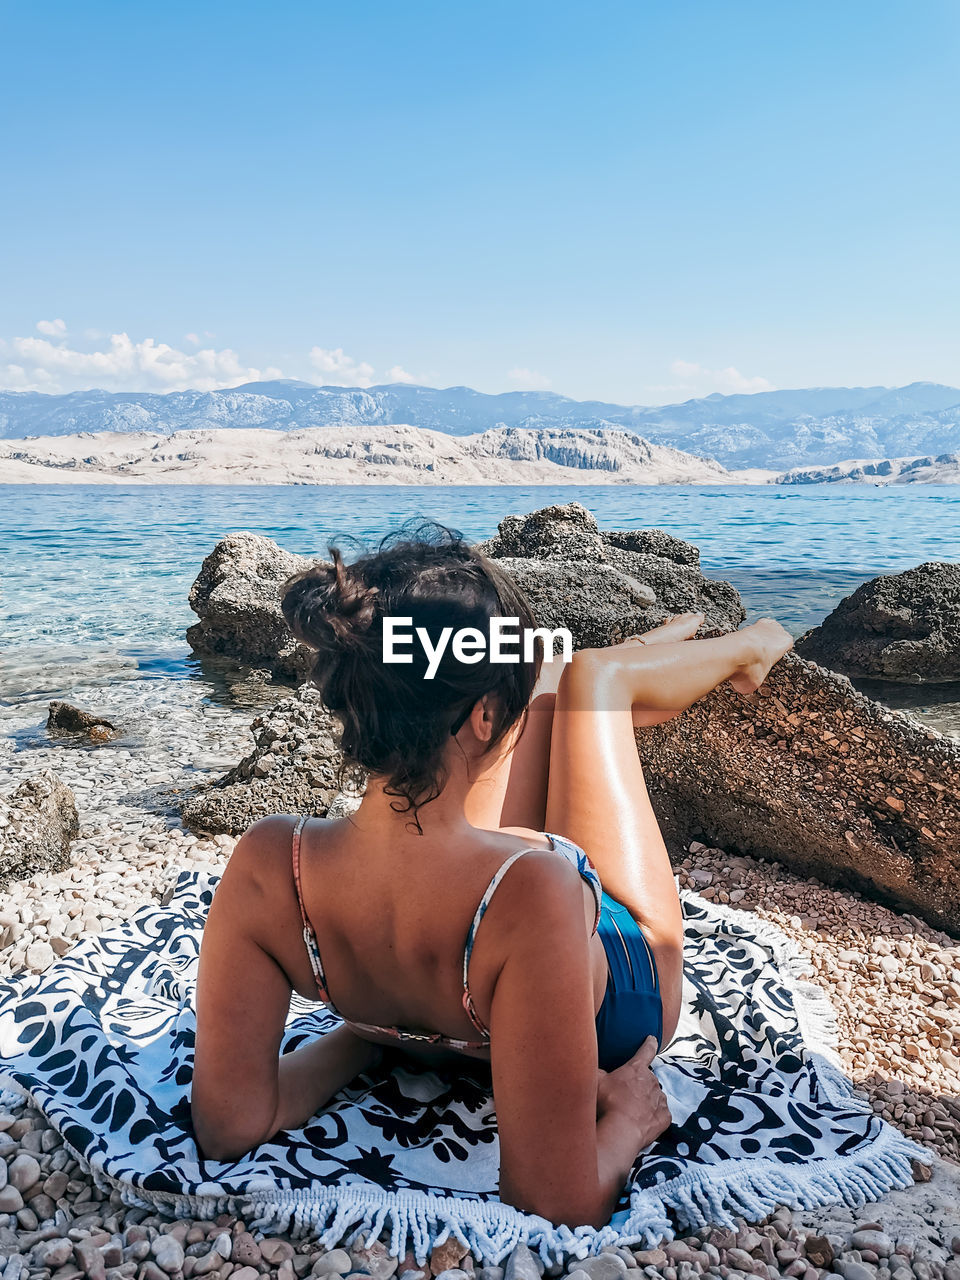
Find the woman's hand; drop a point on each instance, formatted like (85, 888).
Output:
(632, 1094)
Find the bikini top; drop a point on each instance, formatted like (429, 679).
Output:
(573, 853)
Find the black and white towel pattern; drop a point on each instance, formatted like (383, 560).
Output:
(103, 1043)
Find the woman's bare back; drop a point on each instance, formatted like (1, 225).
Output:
(391, 918)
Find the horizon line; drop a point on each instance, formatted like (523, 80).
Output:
(539, 393)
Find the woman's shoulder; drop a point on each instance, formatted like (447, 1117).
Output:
(266, 847)
(572, 859)
(549, 865)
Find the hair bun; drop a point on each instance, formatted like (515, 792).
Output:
(330, 606)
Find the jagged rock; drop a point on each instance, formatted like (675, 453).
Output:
(237, 598)
(664, 569)
(680, 588)
(810, 773)
(654, 542)
(37, 823)
(65, 718)
(567, 532)
(295, 767)
(903, 626)
(606, 585)
(599, 604)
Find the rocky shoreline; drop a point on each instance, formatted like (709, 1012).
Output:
(894, 978)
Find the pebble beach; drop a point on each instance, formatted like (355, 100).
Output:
(893, 980)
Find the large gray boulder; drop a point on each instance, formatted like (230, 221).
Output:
(237, 598)
(38, 821)
(810, 773)
(903, 627)
(562, 532)
(563, 562)
(295, 767)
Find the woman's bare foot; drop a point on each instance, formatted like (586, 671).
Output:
(769, 642)
(682, 626)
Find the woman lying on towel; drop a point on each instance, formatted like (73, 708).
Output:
(503, 891)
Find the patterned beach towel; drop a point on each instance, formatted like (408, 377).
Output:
(103, 1041)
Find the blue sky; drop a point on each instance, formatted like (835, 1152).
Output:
(636, 201)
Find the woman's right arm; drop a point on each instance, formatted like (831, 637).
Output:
(243, 1091)
(565, 1151)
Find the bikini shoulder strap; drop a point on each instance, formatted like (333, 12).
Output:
(295, 852)
(484, 903)
(309, 934)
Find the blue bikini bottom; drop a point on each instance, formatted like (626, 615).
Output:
(631, 1009)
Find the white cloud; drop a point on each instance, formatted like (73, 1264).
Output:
(528, 379)
(695, 379)
(341, 370)
(14, 377)
(59, 362)
(39, 364)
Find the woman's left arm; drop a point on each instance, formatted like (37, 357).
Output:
(243, 1091)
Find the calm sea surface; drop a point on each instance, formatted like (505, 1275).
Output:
(95, 578)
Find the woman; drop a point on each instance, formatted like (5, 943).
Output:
(441, 918)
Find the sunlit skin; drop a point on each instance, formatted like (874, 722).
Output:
(392, 907)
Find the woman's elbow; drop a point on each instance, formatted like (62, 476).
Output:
(223, 1141)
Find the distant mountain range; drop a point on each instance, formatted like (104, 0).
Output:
(815, 426)
(399, 454)
(354, 455)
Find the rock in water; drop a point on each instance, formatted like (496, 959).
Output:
(237, 598)
(606, 585)
(37, 823)
(810, 773)
(65, 718)
(562, 532)
(599, 604)
(905, 626)
(295, 767)
(654, 542)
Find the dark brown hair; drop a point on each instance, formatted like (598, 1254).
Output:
(396, 723)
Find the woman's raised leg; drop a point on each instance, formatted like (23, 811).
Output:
(596, 792)
(515, 795)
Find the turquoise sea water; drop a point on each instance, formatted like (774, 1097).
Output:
(100, 574)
